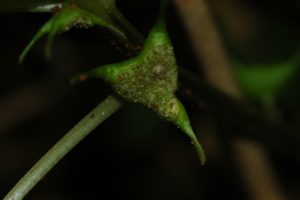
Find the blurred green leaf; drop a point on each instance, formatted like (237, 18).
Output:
(258, 80)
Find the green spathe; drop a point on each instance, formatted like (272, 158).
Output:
(265, 80)
(150, 79)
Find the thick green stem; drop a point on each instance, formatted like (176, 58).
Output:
(63, 146)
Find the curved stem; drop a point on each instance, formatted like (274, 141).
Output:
(63, 146)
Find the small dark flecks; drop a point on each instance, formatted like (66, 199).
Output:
(125, 94)
(154, 107)
(172, 105)
(93, 116)
(120, 78)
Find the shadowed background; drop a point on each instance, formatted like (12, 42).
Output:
(134, 154)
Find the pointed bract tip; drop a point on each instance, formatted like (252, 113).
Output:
(183, 122)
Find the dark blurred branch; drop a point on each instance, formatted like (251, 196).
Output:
(208, 46)
(253, 169)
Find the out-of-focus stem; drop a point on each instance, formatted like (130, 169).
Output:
(216, 66)
(255, 171)
(208, 45)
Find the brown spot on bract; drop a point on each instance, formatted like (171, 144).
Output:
(120, 78)
(82, 77)
(126, 94)
(154, 107)
(93, 116)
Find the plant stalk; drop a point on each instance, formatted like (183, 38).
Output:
(85, 126)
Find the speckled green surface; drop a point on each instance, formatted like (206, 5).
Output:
(150, 79)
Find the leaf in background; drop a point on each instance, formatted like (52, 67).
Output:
(265, 80)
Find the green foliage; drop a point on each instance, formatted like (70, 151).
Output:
(260, 81)
(149, 79)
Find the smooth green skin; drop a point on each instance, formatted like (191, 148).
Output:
(82, 129)
(71, 15)
(150, 79)
(261, 81)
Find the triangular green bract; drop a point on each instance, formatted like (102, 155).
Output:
(71, 15)
(150, 79)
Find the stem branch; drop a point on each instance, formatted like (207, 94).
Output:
(63, 146)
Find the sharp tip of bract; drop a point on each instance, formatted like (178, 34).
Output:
(24, 53)
(184, 124)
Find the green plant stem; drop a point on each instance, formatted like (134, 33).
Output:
(63, 146)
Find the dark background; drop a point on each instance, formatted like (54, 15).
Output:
(134, 154)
